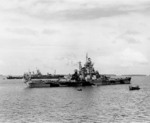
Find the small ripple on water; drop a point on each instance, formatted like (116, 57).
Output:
(110, 104)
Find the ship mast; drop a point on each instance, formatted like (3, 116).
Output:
(80, 66)
(86, 57)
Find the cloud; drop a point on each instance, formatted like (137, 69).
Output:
(48, 31)
(81, 13)
(130, 57)
(71, 9)
(69, 59)
(22, 31)
(11, 43)
(146, 10)
(93, 13)
(67, 29)
(131, 32)
(129, 37)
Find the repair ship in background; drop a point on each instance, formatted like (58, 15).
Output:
(85, 76)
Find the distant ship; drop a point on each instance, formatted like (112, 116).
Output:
(84, 76)
(39, 75)
(14, 77)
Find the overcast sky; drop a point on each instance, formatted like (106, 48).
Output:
(56, 34)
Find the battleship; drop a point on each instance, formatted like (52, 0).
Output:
(83, 76)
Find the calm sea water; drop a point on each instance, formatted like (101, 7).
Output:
(102, 104)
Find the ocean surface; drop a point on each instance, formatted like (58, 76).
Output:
(102, 104)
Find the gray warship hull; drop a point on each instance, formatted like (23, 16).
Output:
(36, 83)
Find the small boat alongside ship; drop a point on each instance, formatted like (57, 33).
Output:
(84, 76)
(131, 88)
